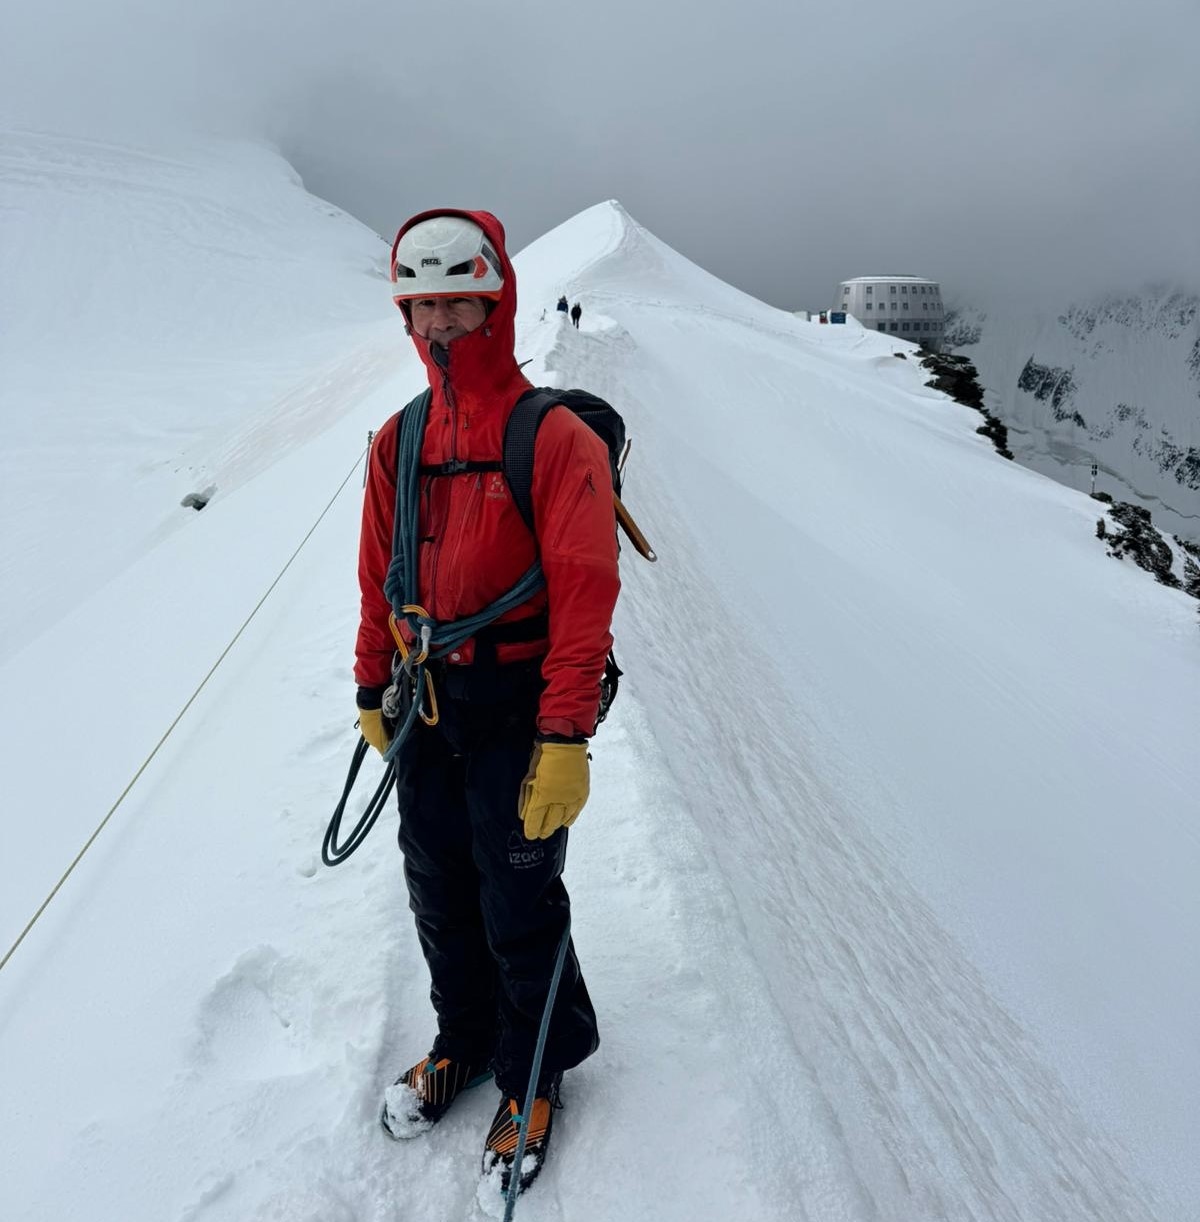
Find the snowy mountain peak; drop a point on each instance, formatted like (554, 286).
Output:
(1167, 312)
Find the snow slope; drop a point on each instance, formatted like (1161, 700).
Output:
(171, 319)
(885, 893)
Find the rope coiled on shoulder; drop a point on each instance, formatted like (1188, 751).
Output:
(401, 587)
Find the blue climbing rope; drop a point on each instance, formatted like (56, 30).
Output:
(514, 1183)
(400, 586)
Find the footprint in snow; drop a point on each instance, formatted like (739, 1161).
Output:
(256, 1019)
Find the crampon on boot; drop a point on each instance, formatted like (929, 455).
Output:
(500, 1149)
(421, 1097)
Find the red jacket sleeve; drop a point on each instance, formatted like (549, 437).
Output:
(374, 646)
(577, 536)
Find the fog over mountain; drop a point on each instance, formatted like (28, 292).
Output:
(1112, 380)
(783, 147)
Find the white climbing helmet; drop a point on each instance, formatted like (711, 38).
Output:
(445, 256)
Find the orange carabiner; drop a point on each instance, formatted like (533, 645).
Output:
(401, 644)
(426, 631)
(430, 718)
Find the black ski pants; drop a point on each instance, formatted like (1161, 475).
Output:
(490, 906)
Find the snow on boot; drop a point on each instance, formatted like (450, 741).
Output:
(500, 1150)
(421, 1097)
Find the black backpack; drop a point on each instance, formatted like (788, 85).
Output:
(520, 435)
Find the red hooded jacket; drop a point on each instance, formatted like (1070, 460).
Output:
(474, 545)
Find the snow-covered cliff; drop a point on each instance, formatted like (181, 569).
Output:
(1115, 381)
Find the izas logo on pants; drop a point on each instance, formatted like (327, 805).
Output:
(524, 854)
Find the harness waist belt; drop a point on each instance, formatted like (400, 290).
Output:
(531, 628)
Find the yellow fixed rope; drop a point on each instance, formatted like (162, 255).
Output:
(191, 699)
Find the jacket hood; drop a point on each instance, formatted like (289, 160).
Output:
(484, 360)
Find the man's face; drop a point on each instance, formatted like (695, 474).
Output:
(442, 319)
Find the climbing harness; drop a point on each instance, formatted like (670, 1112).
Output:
(400, 585)
(411, 693)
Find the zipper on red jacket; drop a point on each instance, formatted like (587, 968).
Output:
(452, 411)
(470, 502)
(452, 404)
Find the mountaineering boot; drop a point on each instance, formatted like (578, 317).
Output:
(421, 1097)
(500, 1149)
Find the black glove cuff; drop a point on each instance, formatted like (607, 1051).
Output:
(370, 697)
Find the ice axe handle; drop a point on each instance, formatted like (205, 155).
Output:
(630, 527)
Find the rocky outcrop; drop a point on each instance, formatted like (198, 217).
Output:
(957, 377)
(1054, 385)
(1139, 540)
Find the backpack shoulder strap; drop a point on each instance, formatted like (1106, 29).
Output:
(520, 435)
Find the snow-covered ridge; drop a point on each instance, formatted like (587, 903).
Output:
(886, 890)
(1114, 381)
(624, 259)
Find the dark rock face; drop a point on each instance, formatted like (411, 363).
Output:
(957, 377)
(1182, 465)
(1169, 313)
(959, 332)
(1141, 542)
(1045, 382)
(954, 376)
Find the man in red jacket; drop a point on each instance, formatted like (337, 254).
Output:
(487, 793)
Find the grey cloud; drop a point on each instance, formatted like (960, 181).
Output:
(783, 148)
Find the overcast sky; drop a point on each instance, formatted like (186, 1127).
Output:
(1049, 146)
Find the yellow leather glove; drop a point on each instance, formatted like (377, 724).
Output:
(555, 788)
(370, 725)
